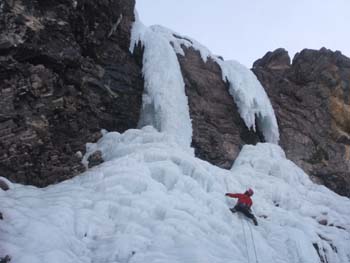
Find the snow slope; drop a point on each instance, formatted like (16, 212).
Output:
(152, 201)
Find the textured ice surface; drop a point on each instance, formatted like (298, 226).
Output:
(164, 102)
(151, 201)
(248, 94)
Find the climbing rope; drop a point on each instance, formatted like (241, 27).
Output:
(245, 238)
(251, 234)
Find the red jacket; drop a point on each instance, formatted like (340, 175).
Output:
(242, 199)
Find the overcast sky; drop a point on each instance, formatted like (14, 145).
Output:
(245, 30)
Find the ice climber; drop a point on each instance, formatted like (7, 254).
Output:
(244, 204)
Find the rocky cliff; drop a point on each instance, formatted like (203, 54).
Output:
(218, 130)
(311, 99)
(66, 73)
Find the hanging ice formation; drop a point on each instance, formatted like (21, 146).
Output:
(165, 104)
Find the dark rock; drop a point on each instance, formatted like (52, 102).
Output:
(5, 259)
(311, 98)
(1, 217)
(218, 130)
(321, 256)
(278, 59)
(95, 159)
(323, 222)
(3, 185)
(66, 73)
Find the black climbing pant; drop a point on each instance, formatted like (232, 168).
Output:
(246, 211)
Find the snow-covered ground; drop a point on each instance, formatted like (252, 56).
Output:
(152, 201)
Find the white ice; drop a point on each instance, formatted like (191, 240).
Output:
(152, 201)
(251, 99)
(248, 94)
(164, 102)
(165, 105)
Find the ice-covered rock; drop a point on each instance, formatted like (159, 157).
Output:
(311, 100)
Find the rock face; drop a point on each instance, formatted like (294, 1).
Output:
(65, 74)
(218, 130)
(3, 185)
(95, 159)
(311, 99)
